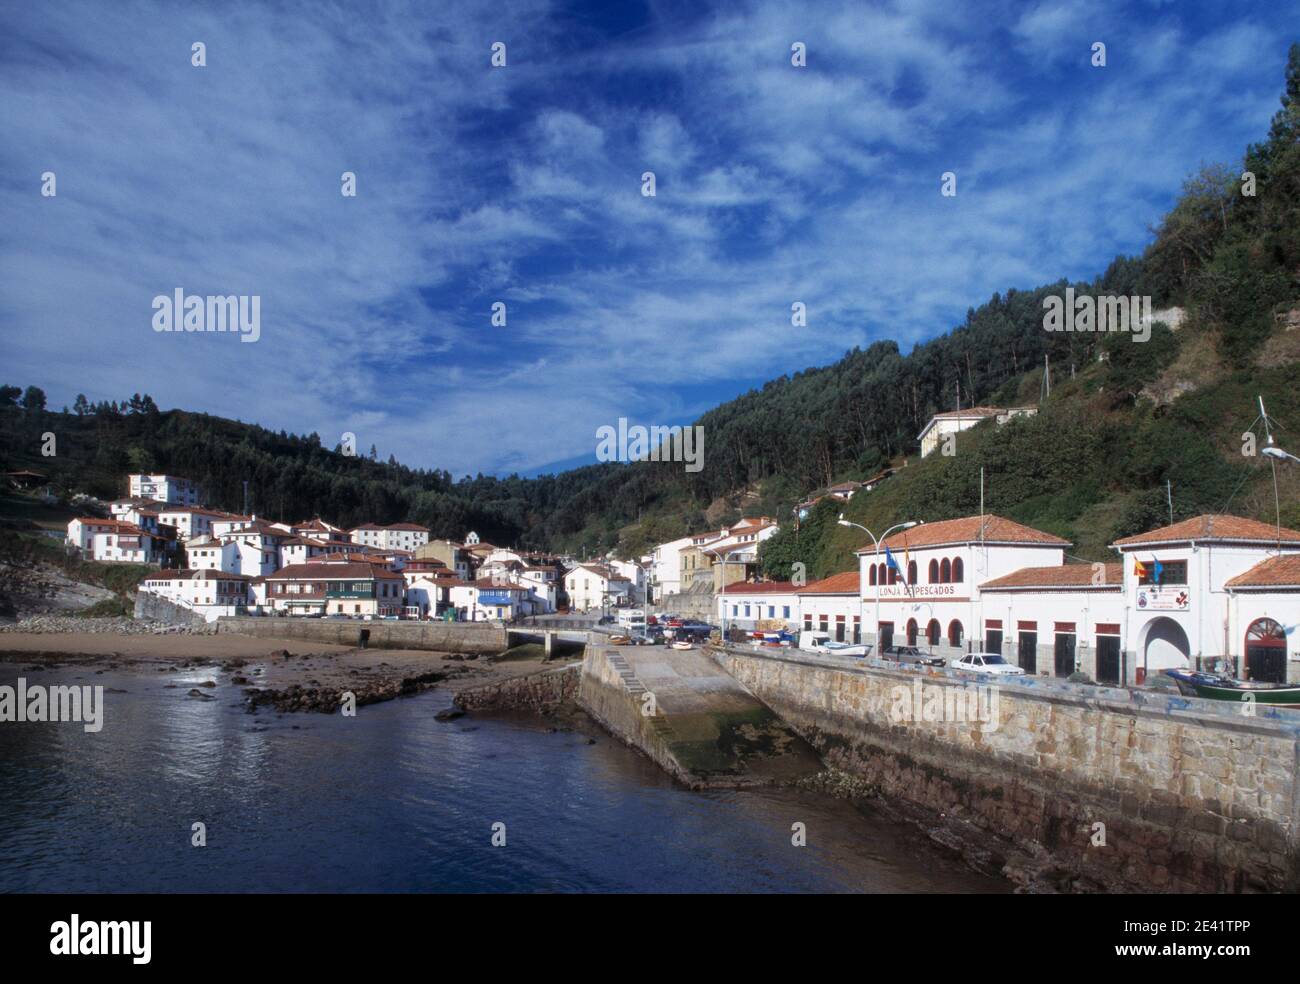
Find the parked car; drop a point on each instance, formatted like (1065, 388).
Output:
(913, 656)
(606, 620)
(989, 664)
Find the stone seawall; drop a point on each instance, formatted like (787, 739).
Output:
(544, 691)
(446, 637)
(159, 609)
(612, 697)
(1112, 790)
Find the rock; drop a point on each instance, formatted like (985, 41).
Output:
(450, 714)
(194, 692)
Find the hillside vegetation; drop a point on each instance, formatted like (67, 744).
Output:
(1122, 420)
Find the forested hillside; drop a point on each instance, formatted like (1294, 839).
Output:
(1122, 419)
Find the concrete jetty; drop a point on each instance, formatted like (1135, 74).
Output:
(692, 717)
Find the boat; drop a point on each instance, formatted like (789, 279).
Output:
(1215, 686)
(682, 644)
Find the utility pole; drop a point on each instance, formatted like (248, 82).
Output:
(1169, 493)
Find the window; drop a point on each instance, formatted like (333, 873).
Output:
(1171, 572)
(957, 571)
(823, 622)
(934, 572)
(785, 611)
(945, 571)
(771, 611)
(871, 576)
(911, 572)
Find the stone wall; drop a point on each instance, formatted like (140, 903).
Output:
(612, 695)
(1194, 796)
(534, 692)
(159, 609)
(446, 637)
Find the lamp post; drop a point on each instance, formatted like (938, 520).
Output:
(883, 537)
(723, 596)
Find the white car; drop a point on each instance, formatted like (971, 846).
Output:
(988, 663)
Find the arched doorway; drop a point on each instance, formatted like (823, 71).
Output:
(1266, 651)
(911, 632)
(932, 632)
(1165, 646)
(955, 633)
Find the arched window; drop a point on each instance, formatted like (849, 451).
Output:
(872, 574)
(957, 571)
(945, 572)
(911, 632)
(932, 632)
(934, 572)
(893, 575)
(911, 572)
(954, 633)
(881, 576)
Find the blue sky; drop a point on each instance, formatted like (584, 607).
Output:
(522, 184)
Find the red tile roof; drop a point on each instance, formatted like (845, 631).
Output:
(846, 582)
(1071, 576)
(1274, 572)
(760, 587)
(950, 532)
(354, 570)
(1213, 529)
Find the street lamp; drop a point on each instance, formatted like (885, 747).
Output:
(723, 596)
(884, 536)
(1273, 451)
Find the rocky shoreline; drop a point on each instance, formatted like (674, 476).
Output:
(287, 679)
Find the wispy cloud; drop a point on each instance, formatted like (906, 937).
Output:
(522, 184)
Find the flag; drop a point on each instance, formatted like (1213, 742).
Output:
(1159, 570)
(890, 562)
(1139, 569)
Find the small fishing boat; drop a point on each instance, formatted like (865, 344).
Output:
(1215, 686)
(682, 644)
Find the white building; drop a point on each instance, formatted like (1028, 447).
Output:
(211, 594)
(126, 543)
(482, 601)
(591, 587)
(210, 554)
(188, 521)
(635, 575)
(943, 425)
(164, 488)
(398, 536)
(665, 568)
(746, 605)
(82, 530)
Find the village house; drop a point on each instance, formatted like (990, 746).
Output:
(756, 604)
(481, 601)
(127, 543)
(397, 536)
(666, 568)
(945, 425)
(208, 553)
(455, 556)
(352, 588)
(211, 594)
(592, 587)
(188, 521)
(164, 488)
